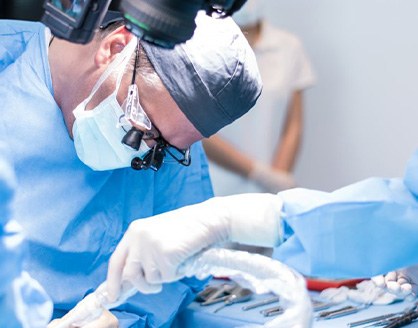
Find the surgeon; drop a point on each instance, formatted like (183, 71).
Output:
(75, 118)
(362, 230)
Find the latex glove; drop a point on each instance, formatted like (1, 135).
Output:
(366, 292)
(106, 320)
(153, 249)
(271, 180)
(402, 282)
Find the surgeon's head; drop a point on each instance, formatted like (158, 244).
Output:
(173, 97)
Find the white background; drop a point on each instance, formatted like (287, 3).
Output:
(361, 117)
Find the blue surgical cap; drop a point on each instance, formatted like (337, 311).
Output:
(213, 77)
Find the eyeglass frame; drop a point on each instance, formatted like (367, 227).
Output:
(154, 158)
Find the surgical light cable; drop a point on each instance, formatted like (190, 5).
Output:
(133, 137)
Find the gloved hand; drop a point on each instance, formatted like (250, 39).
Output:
(271, 180)
(366, 292)
(153, 249)
(402, 282)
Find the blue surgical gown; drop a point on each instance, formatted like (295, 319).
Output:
(368, 228)
(73, 216)
(23, 303)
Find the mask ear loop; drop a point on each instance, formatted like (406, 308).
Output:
(121, 59)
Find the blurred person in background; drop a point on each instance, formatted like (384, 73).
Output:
(258, 152)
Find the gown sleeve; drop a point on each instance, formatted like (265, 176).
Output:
(365, 229)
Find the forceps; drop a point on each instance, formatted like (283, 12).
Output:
(216, 295)
(238, 295)
(376, 321)
(371, 320)
(205, 294)
(403, 320)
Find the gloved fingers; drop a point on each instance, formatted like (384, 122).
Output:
(391, 276)
(407, 285)
(414, 289)
(134, 273)
(115, 271)
(408, 278)
(403, 280)
(391, 281)
(393, 287)
(153, 275)
(379, 281)
(133, 270)
(406, 288)
(398, 283)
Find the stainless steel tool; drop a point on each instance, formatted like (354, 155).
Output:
(220, 294)
(275, 310)
(266, 301)
(346, 310)
(237, 296)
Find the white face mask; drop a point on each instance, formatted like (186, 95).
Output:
(98, 132)
(249, 14)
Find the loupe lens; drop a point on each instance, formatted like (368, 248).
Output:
(133, 138)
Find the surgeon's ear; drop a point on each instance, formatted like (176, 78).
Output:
(111, 45)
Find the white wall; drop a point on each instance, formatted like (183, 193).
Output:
(361, 118)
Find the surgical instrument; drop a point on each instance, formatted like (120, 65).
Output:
(346, 310)
(394, 316)
(205, 294)
(320, 305)
(371, 320)
(220, 294)
(403, 320)
(275, 310)
(261, 303)
(237, 296)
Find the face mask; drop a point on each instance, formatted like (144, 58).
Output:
(98, 132)
(249, 14)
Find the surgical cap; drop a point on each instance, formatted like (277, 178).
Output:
(213, 77)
